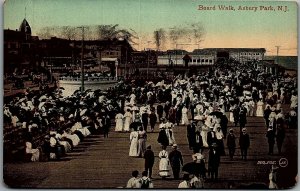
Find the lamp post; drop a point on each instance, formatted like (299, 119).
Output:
(82, 67)
(148, 60)
(116, 64)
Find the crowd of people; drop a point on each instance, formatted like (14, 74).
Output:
(240, 89)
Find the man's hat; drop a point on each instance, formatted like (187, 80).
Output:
(174, 145)
(244, 129)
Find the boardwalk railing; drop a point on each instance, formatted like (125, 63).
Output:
(69, 78)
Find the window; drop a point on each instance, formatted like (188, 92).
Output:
(202, 60)
(206, 60)
(210, 61)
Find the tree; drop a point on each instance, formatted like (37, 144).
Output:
(106, 32)
(47, 32)
(68, 32)
(159, 38)
(192, 32)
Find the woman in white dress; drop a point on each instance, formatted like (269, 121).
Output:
(134, 136)
(119, 122)
(84, 130)
(164, 163)
(132, 99)
(35, 153)
(294, 101)
(204, 130)
(74, 138)
(128, 120)
(259, 109)
(142, 136)
(170, 133)
(65, 144)
(231, 116)
(184, 119)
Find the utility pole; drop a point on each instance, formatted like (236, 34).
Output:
(148, 60)
(277, 53)
(277, 61)
(82, 66)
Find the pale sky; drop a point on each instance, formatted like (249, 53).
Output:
(228, 29)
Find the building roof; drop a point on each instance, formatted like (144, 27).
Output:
(25, 27)
(289, 62)
(213, 50)
(11, 35)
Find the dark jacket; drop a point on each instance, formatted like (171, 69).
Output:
(190, 130)
(198, 140)
(153, 118)
(160, 109)
(271, 137)
(231, 141)
(243, 116)
(175, 158)
(214, 158)
(145, 117)
(244, 141)
(149, 158)
(211, 138)
(163, 138)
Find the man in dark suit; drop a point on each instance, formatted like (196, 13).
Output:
(271, 139)
(190, 131)
(106, 124)
(153, 120)
(211, 137)
(149, 160)
(145, 119)
(160, 111)
(213, 162)
(176, 161)
(244, 143)
(267, 113)
(243, 117)
(223, 123)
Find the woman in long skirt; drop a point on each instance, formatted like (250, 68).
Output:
(203, 133)
(184, 119)
(164, 163)
(133, 151)
(170, 134)
(128, 120)
(35, 152)
(141, 141)
(259, 109)
(119, 122)
(231, 116)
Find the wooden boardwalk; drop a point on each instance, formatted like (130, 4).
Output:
(104, 163)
